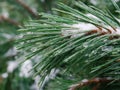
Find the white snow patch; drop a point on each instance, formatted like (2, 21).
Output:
(95, 2)
(5, 75)
(117, 0)
(35, 85)
(84, 26)
(25, 69)
(117, 31)
(78, 29)
(5, 13)
(11, 52)
(12, 65)
(85, 80)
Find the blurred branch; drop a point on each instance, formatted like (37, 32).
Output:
(1, 79)
(9, 20)
(27, 8)
(96, 81)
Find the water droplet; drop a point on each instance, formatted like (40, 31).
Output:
(105, 40)
(34, 49)
(86, 55)
(107, 48)
(85, 45)
(93, 52)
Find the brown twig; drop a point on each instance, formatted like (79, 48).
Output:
(25, 6)
(9, 20)
(100, 31)
(1, 79)
(89, 82)
(96, 87)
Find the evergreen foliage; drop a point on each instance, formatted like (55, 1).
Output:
(76, 48)
(86, 60)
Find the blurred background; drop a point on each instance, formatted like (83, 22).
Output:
(13, 15)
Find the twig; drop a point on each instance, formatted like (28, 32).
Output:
(92, 81)
(1, 79)
(27, 8)
(100, 31)
(9, 20)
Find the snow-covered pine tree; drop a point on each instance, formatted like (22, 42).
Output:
(82, 48)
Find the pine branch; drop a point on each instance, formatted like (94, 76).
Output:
(89, 82)
(9, 20)
(26, 7)
(91, 49)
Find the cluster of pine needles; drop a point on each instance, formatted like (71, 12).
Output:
(90, 60)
